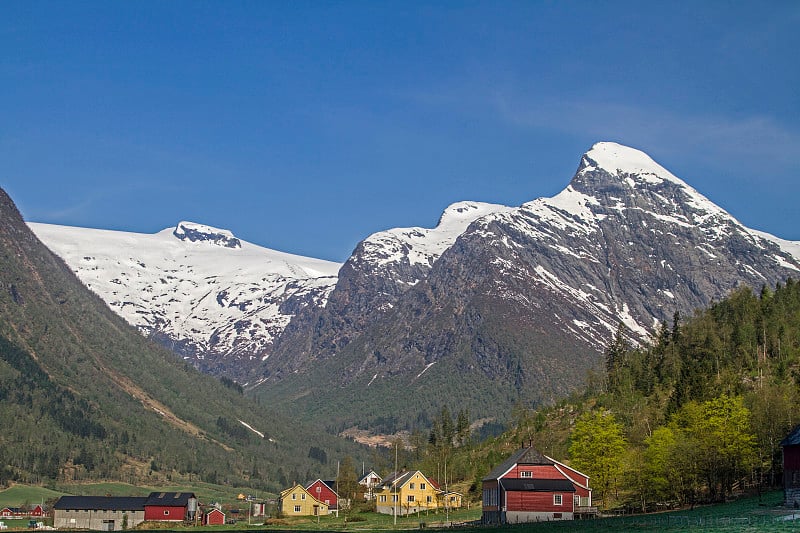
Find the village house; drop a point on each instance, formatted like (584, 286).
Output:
(297, 501)
(405, 493)
(369, 481)
(323, 491)
(791, 468)
(530, 487)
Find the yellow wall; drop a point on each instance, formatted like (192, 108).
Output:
(298, 496)
(404, 506)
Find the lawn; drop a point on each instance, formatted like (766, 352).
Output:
(751, 514)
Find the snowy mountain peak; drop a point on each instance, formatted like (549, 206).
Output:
(194, 232)
(620, 160)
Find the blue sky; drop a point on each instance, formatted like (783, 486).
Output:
(306, 126)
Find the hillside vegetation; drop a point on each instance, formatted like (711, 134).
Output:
(83, 396)
(695, 416)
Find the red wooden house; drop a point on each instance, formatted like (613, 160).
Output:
(36, 512)
(170, 506)
(10, 512)
(323, 491)
(530, 487)
(791, 468)
(213, 517)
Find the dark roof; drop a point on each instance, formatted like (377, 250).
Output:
(169, 499)
(523, 456)
(537, 485)
(793, 439)
(101, 503)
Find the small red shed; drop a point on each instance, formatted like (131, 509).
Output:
(213, 517)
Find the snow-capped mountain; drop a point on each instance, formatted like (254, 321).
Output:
(528, 297)
(200, 290)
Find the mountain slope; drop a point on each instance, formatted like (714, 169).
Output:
(525, 300)
(202, 292)
(86, 396)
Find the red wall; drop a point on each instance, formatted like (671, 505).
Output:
(539, 471)
(215, 517)
(163, 512)
(324, 494)
(791, 457)
(538, 502)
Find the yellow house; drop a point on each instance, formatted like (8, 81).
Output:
(406, 493)
(297, 501)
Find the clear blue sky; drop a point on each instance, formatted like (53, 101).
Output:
(306, 126)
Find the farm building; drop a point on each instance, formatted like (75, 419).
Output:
(530, 487)
(100, 513)
(170, 506)
(213, 517)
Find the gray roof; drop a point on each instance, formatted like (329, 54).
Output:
(169, 499)
(537, 485)
(523, 456)
(793, 439)
(101, 503)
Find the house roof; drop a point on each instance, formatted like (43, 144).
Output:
(369, 474)
(397, 479)
(537, 485)
(169, 499)
(101, 503)
(523, 456)
(793, 438)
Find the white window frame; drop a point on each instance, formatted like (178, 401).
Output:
(557, 499)
(410, 498)
(526, 473)
(297, 508)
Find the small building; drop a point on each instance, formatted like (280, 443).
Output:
(323, 491)
(170, 507)
(297, 501)
(99, 513)
(531, 487)
(450, 500)
(213, 517)
(369, 481)
(10, 512)
(791, 468)
(405, 493)
(35, 512)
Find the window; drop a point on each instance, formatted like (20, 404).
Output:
(526, 473)
(422, 486)
(296, 508)
(303, 496)
(556, 499)
(383, 497)
(166, 512)
(394, 497)
(411, 486)
(410, 498)
(294, 496)
(429, 499)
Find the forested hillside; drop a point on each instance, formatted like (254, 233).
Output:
(84, 396)
(694, 416)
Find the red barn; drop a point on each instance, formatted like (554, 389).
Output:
(214, 517)
(170, 506)
(323, 491)
(531, 487)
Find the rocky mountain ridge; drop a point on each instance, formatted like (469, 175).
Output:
(521, 299)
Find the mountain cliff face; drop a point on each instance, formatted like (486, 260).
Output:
(526, 299)
(202, 292)
(516, 301)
